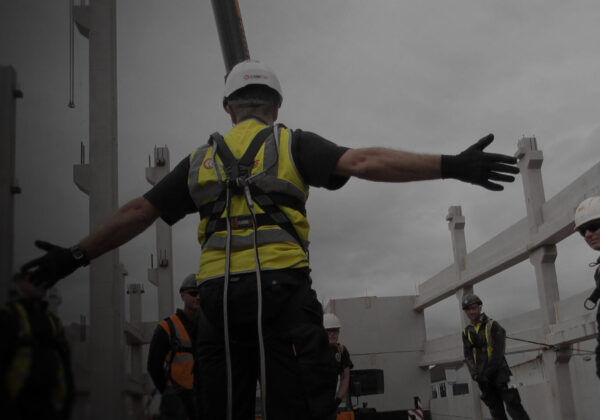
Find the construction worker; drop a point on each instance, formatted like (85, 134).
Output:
(484, 342)
(170, 358)
(340, 353)
(35, 363)
(587, 223)
(253, 230)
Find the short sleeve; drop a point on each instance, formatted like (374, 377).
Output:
(171, 196)
(316, 159)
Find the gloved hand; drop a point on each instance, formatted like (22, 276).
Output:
(338, 401)
(58, 263)
(477, 167)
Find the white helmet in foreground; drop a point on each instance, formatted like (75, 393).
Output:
(250, 72)
(330, 321)
(587, 210)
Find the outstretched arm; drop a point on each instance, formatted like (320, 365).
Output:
(472, 165)
(126, 223)
(388, 165)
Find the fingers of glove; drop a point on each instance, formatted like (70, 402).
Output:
(500, 177)
(500, 158)
(491, 186)
(46, 246)
(482, 143)
(501, 167)
(26, 268)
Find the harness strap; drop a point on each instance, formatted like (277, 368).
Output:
(238, 171)
(239, 168)
(217, 207)
(176, 347)
(487, 332)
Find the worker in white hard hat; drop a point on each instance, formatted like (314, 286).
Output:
(341, 356)
(250, 188)
(587, 223)
(484, 342)
(170, 357)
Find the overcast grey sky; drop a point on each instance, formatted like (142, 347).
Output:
(426, 76)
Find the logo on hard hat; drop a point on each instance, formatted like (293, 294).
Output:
(255, 76)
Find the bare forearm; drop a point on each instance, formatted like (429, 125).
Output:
(126, 223)
(344, 384)
(388, 165)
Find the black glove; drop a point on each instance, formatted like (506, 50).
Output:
(58, 263)
(477, 167)
(338, 401)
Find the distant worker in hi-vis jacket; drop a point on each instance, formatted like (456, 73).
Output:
(260, 316)
(484, 342)
(587, 223)
(170, 357)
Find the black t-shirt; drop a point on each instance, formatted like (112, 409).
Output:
(342, 357)
(315, 159)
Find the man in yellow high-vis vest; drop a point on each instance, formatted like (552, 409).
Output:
(36, 380)
(260, 316)
(170, 357)
(484, 342)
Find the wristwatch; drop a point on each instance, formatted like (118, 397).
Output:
(80, 255)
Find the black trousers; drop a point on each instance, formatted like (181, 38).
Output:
(300, 372)
(177, 405)
(495, 394)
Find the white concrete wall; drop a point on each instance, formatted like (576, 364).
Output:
(386, 333)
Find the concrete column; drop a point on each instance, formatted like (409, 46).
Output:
(542, 259)
(456, 224)
(107, 302)
(162, 275)
(8, 186)
(135, 292)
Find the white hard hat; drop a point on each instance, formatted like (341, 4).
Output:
(189, 282)
(330, 321)
(251, 72)
(588, 209)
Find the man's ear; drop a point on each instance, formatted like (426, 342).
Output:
(232, 115)
(275, 114)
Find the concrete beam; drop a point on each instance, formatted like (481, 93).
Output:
(513, 245)
(161, 276)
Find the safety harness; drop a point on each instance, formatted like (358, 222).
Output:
(19, 370)
(180, 353)
(488, 331)
(239, 181)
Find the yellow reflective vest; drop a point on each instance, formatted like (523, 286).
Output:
(278, 185)
(488, 329)
(179, 362)
(20, 367)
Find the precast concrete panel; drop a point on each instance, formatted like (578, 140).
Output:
(386, 333)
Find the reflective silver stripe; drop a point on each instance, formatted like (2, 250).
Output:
(183, 357)
(201, 194)
(292, 156)
(184, 343)
(271, 184)
(264, 237)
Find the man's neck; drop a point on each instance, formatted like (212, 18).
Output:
(189, 313)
